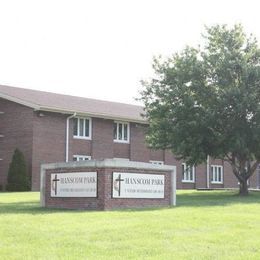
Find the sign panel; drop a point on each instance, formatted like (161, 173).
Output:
(134, 185)
(76, 184)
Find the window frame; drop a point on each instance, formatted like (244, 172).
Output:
(77, 156)
(84, 128)
(117, 140)
(185, 170)
(212, 180)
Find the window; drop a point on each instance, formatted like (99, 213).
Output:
(121, 132)
(157, 162)
(77, 158)
(188, 173)
(82, 128)
(216, 174)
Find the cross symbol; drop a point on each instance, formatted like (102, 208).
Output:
(54, 181)
(119, 180)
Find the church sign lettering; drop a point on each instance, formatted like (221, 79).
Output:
(76, 184)
(132, 185)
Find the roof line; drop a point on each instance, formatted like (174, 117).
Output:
(69, 95)
(91, 114)
(66, 111)
(20, 101)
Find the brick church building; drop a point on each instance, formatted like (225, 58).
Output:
(50, 127)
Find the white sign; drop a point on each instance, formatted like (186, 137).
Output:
(134, 185)
(76, 184)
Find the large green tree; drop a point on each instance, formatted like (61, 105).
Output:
(206, 101)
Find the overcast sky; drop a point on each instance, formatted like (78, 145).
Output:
(103, 48)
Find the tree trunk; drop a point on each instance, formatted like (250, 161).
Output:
(243, 188)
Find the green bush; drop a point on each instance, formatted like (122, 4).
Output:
(18, 179)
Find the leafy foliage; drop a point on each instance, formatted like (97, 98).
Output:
(18, 179)
(206, 101)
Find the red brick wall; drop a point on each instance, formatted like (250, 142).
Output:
(42, 140)
(104, 200)
(201, 176)
(121, 150)
(102, 138)
(230, 180)
(157, 155)
(16, 126)
(49, 133)
(138, 149)
(254, 180)
(171, 160)
(79, 147)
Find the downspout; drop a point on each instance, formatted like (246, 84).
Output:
(67, 136)
(207, 172)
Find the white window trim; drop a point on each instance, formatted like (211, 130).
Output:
(90, 129)
(77, 156)
(193, 170)
(156, 162)
(184, 181)
(217, 182)
(128, 131)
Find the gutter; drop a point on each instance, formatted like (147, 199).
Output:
(91, 114)
(67, 136)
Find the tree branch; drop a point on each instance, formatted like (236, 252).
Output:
(252, 170)
(234, 168)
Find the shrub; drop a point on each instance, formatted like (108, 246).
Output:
(18, 179)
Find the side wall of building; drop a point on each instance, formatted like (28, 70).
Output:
(16, 131)
(41, 136)
(49, 136)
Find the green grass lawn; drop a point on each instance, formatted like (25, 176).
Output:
(204, 225)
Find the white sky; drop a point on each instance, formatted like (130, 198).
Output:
(103, 48)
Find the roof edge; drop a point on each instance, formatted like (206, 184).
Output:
(66, 111)
(19, 101)
(97, 115)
